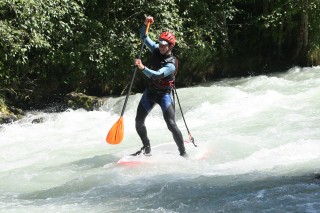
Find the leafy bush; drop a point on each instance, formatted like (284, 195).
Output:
(53, 47)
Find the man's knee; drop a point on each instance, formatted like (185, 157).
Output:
(139, 125)
(172, 126)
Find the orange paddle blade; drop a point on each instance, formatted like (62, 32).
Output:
(115, 134)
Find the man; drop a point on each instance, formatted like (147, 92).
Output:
(161, 76)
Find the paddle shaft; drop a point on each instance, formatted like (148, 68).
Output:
(134, 71)
(184, 120)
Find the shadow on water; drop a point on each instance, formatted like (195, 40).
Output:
(94, 162)
(81, 184)
(220, 194)
(85, 164)
(175, 193)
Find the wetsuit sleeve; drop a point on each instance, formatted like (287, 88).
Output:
(149, 42)
(166, 70)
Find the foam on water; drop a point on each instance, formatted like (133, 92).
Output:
(261, 135)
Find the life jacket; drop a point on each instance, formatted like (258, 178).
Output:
(158, 61)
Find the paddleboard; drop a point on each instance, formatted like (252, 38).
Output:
(164, 153)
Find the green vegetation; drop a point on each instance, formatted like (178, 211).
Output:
(49, 48)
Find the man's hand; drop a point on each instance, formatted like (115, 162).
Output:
(148, 19)
(139, 64)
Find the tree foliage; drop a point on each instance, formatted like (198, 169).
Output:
(52, 47)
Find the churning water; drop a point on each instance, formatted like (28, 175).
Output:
(262, 135)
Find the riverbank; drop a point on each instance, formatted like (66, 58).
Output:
(9, 114)
(73, 100)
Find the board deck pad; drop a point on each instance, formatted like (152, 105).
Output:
(164, 153)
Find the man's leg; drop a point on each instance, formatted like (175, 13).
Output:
(169, 116)
(141, 115)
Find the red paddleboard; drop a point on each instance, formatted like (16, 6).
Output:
(164, 153)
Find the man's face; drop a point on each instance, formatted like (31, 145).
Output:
(163, 48)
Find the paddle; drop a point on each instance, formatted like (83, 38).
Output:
(115, 134)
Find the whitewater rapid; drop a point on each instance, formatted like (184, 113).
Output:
(261, 134)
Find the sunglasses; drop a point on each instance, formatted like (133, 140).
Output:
(163, 43)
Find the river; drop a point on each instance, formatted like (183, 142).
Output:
(262, 136)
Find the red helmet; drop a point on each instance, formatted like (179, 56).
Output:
(169, 37)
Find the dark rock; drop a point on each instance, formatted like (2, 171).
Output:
(16, 111)
(7, 118)
(9, 114)
(37, 120)
(79, 100)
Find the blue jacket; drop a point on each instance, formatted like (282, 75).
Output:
(166, 70)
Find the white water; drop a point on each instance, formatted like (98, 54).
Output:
(262, 135)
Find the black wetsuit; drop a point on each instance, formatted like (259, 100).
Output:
(161, 76)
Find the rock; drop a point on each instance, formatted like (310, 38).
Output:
(79, 100)
(7, 118)
(37, 120)
(8, 114)
(16, 111)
